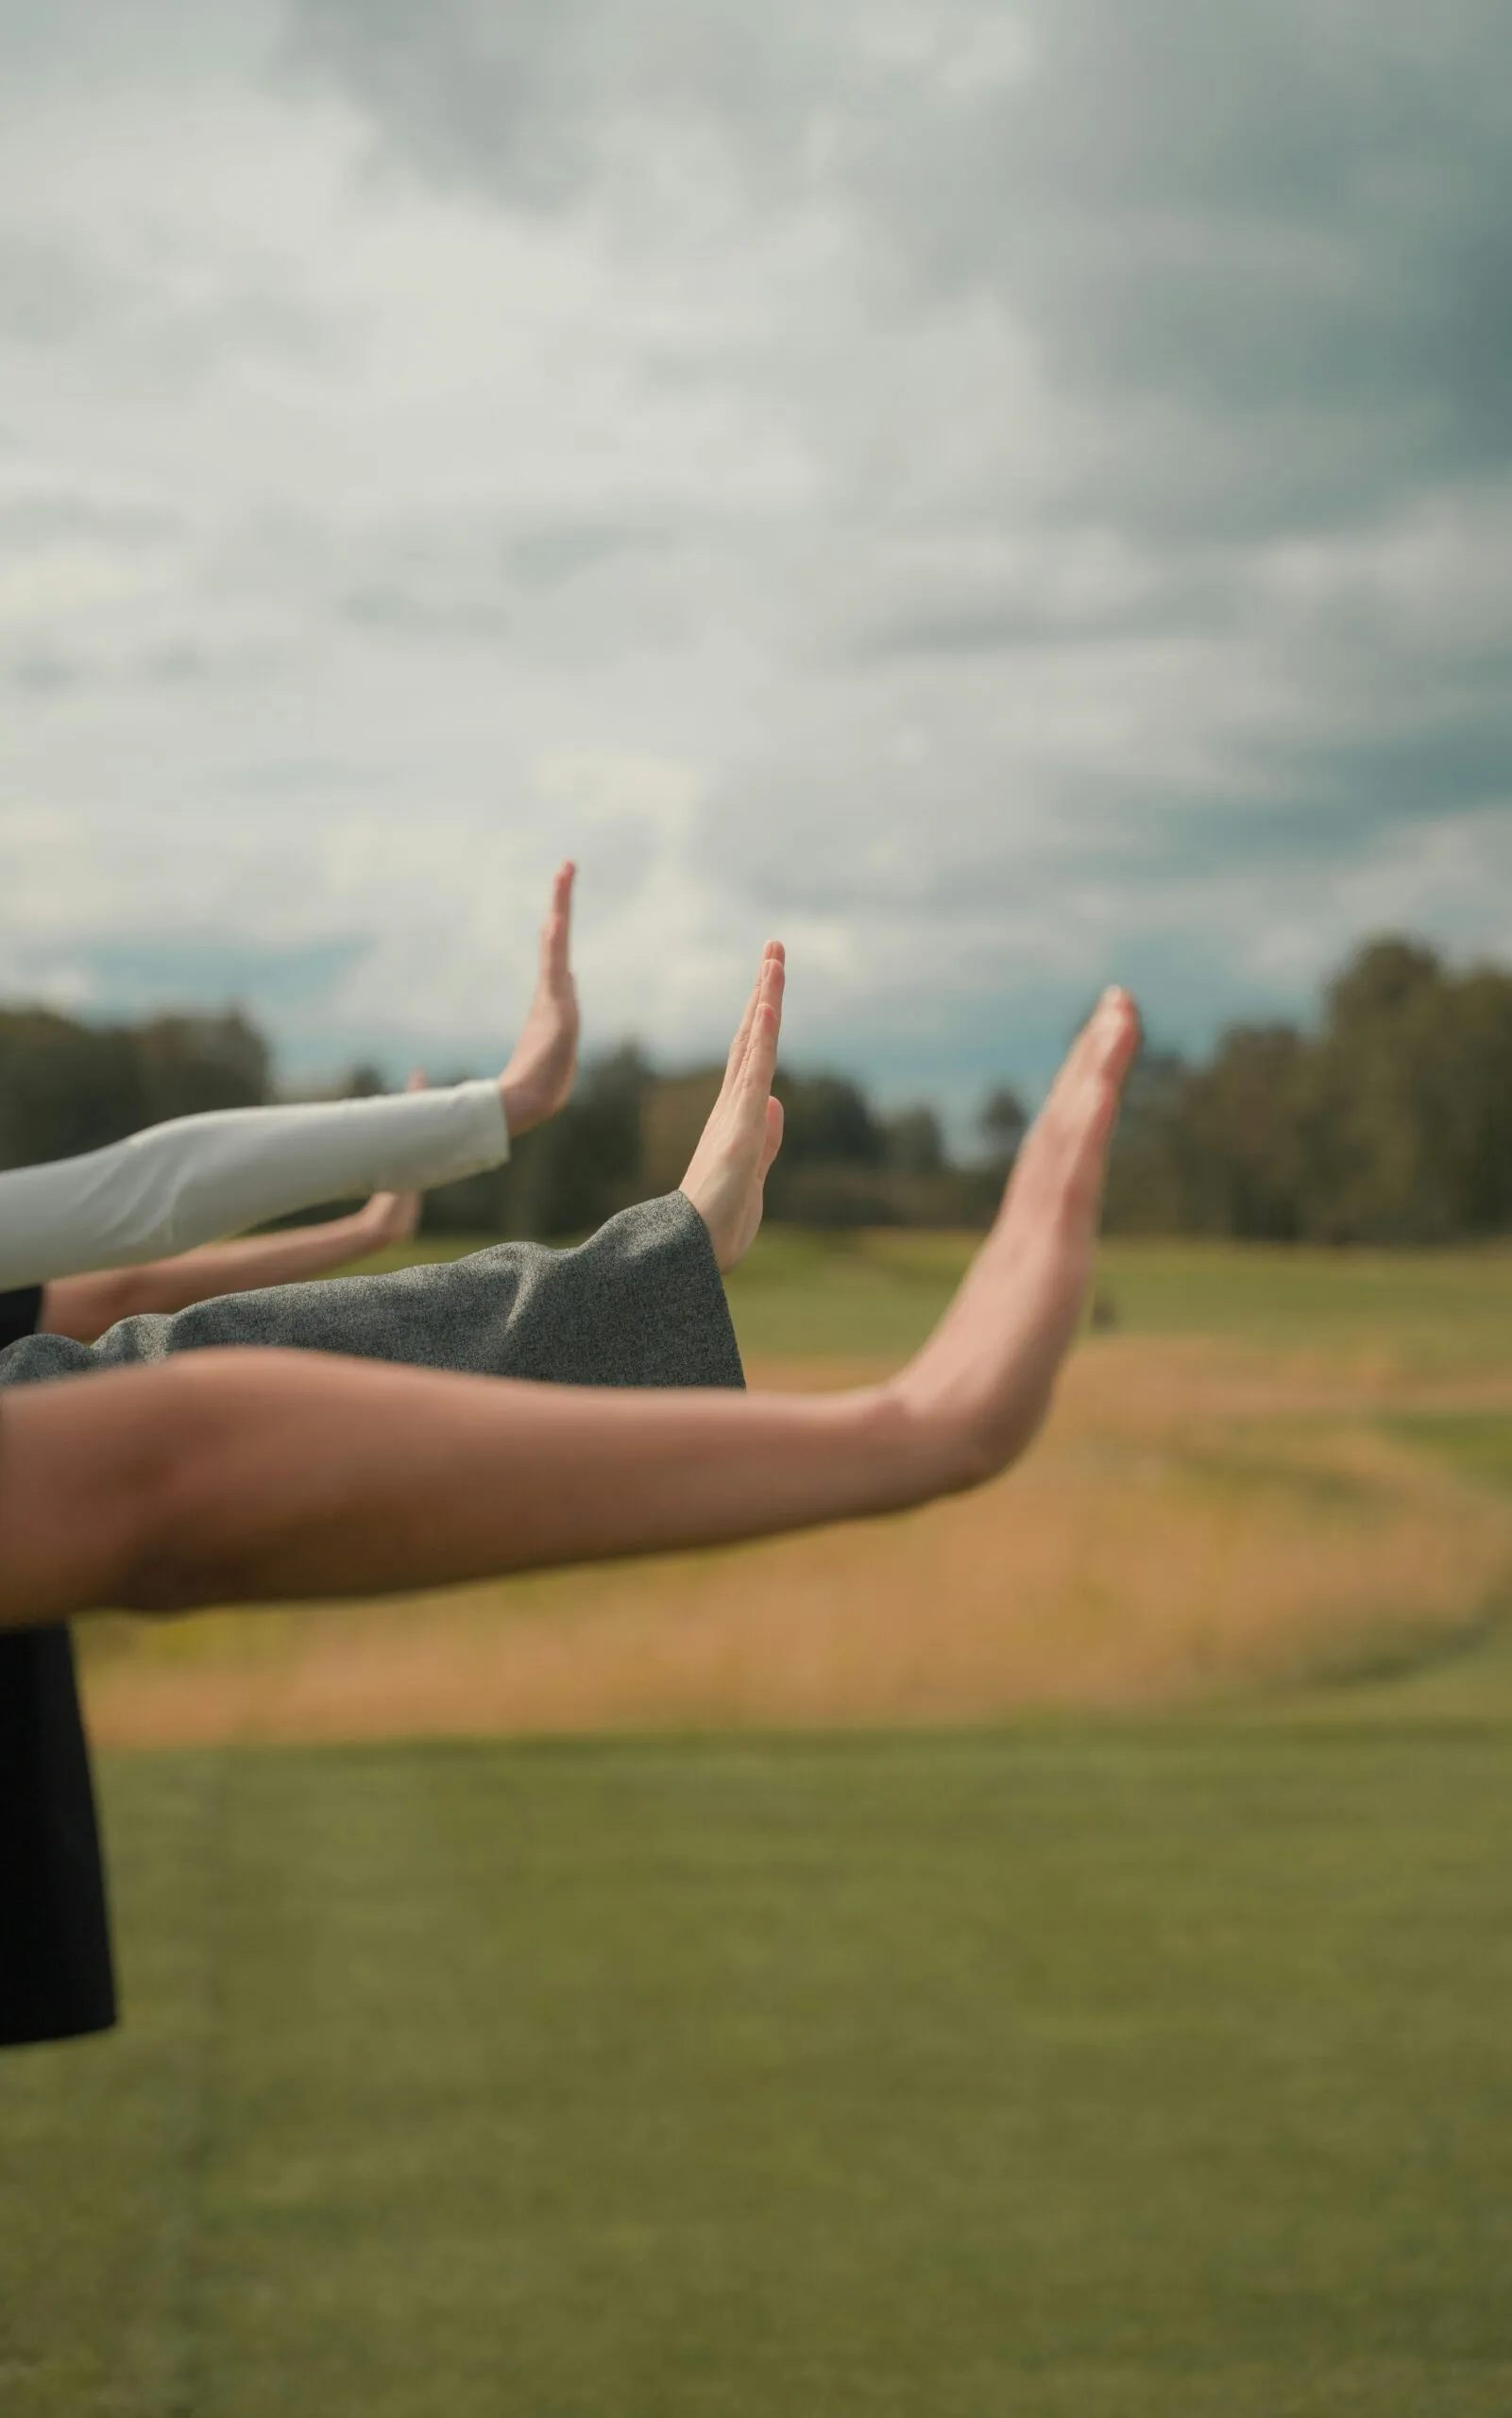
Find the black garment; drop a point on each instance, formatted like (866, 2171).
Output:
(55, 1975)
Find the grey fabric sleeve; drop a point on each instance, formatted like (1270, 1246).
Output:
(640, 1304)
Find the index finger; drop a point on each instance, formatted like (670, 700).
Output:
(766, 1028)
(738, 1047)
(556, 932)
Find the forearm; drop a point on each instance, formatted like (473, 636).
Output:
(267, 1475)
(260, 1477)
(86, 1307)
(175, 1186)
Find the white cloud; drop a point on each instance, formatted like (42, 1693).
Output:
(896, 474)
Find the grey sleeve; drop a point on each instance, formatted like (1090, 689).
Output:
(641, 1302)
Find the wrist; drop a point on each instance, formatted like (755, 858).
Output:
(910, 1447)
(946, 1442)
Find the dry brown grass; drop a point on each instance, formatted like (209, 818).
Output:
(1200, 1517)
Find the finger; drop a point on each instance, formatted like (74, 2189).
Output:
(1109, 1048)
(742, 1041)
(773, 966)
(772, 1141)
(1103, 1049)
(556, 932)
(766, 1028)
(774, 976)
(773, 953)
(1114, 1046)
(1119, 1033)
(415, 1081)
(1074, 1130)
(1105, 1028)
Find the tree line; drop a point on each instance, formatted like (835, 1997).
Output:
(1390, 1121)
(68, 1086)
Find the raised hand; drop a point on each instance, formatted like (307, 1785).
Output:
(386, 1219)
(728, 1170)
(539, 1078)
(982, 1383)
(221, 1476)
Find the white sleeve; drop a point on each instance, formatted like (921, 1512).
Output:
(190, 1182)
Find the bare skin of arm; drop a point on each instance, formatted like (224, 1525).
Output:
(190, 1180)
(260, 1477)
(87, 1306)
(719, 1182)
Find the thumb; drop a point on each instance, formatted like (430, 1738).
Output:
(772, 1142)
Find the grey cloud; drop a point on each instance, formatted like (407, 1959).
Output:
(58, 294)
(1292, 213)
(44, 673)
(539, 104)
(1287, 222)
(405, 608)
(49, 292)
(546, 554)
(1291, 205)
(965, 823)
(155, 969)
(1354, 785)
(37, 518)
(478, 575)
(967, 616)
(1116, 577)
(71, 45)
(185, 663)
(47, 675)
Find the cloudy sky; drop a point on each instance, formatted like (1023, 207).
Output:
(1003, 498)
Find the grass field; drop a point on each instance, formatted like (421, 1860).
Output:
(1277, 1469)
(1090, 2065)
(1123, 2073)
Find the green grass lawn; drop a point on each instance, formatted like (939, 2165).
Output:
(883, 1291)
(1080, 2070)
(1094, 2071)
(880, 1292)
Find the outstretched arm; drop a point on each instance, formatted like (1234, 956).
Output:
(178, 1185)
(256, 1476)
(85, 1307)
(638, 1305)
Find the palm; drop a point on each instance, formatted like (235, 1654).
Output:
(539, 1078)
(726, 1177)
(991, 1363)
(392, 1218)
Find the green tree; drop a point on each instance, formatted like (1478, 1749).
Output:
(915, 1142)
(1002, 1122)
(1390, 1124)
(66, 1086)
